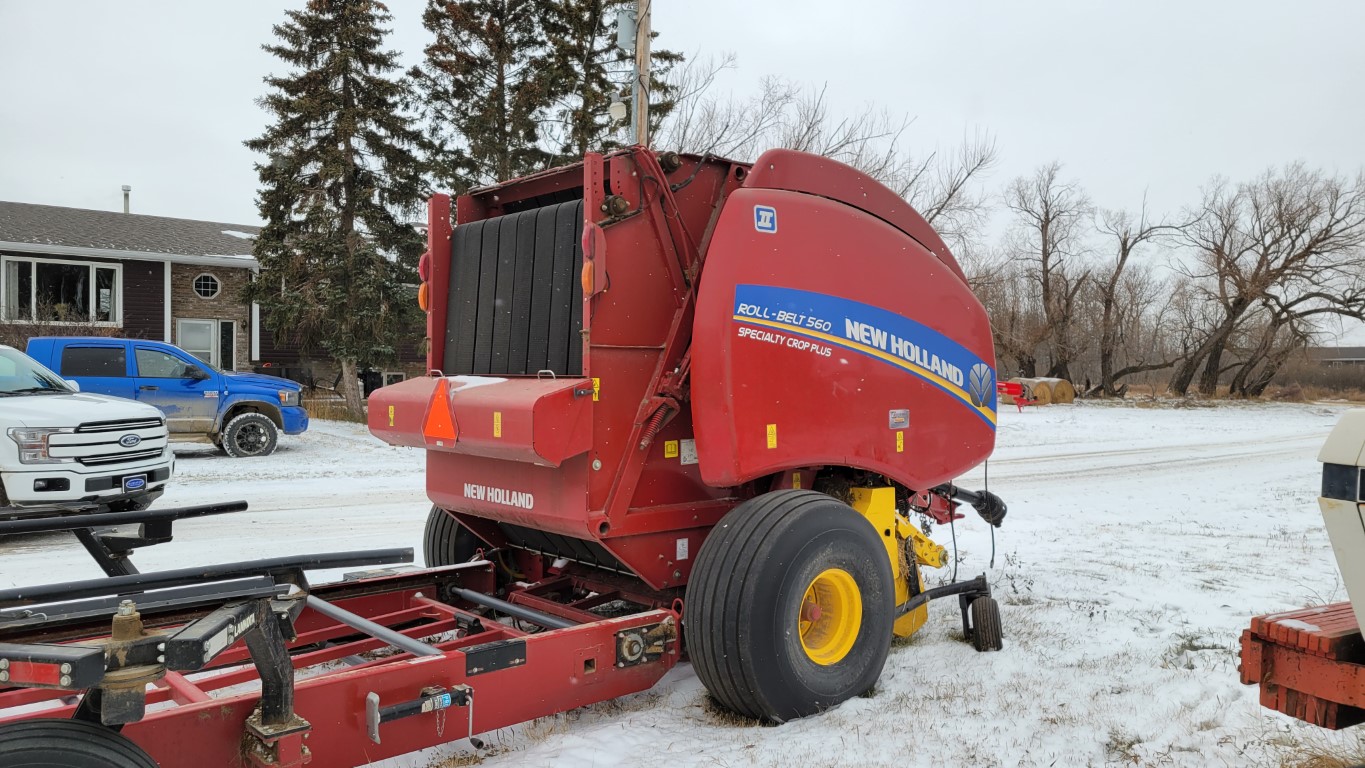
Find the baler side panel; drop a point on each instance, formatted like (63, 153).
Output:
(531, 495)
(812, 371)
(820, 176)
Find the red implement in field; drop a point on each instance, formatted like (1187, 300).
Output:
(1309, 664)
(663, 389)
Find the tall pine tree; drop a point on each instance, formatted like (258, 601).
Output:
(510, 87)
(483, 90)
(339, 181)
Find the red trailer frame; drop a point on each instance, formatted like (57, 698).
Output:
(245, 676)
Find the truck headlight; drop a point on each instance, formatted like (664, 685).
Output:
(33, 447)
(289, 397)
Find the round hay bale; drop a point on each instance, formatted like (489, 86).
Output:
(1062, 391)
(1039, 390)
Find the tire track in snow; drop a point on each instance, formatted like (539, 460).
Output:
(1139, 460)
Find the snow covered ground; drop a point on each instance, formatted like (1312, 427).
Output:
(1139, 543)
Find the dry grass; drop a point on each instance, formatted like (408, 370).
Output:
(327, 406)
(1326, 756)
(458, 761)
(1313, 393)
(1148, 395)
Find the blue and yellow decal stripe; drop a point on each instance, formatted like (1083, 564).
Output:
(804, 313)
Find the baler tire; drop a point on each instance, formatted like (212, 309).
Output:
(746, 594)
(250, 435)
(58, 743)
(986, 632)
(446, 542)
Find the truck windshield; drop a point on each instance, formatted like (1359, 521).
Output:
(20, 375)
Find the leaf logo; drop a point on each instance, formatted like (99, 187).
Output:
(980, 384)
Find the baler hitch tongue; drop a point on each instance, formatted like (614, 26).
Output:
(990, 507)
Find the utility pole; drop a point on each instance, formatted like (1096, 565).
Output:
(640, 91)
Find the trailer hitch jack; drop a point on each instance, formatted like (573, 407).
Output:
(433, 699)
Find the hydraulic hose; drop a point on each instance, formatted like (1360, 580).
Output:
(990, 507)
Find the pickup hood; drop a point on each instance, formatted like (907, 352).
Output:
(69, 410)
(261, 380)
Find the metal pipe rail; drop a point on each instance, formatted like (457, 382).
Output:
(118, 585)
(105, 519)
(377, 631)
(512, 609)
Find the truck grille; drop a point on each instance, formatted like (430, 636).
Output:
(100, 443)
(119, 458)
(118, 426)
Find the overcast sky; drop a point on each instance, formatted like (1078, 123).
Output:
(1130, 96)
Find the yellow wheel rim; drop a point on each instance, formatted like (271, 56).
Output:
(829, 617)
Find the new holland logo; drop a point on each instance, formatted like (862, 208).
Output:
(979, 384)
(129, 441)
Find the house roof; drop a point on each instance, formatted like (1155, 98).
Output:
(1336, 353)
(54, 230)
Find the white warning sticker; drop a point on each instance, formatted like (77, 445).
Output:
(687, 451)
(682, 550)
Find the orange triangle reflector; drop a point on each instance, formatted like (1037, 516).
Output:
(439, 427)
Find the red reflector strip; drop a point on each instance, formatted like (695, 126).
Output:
(34, 673)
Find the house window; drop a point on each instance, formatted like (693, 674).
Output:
(46, 290)
(206, 286)
(199, 338)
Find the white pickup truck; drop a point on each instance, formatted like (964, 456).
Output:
(66, 451)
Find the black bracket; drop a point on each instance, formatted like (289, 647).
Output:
(966, 590)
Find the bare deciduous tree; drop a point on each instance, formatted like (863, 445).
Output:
(942, 186)
(1275, 251)
(1048, 237)
(1125, 298)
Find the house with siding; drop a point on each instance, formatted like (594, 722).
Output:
(139, 276)
(149, 277)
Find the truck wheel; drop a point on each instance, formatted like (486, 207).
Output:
(446, 542)
(789, 607)
(250, 434)
(52, 743)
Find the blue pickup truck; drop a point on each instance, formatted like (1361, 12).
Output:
(242, 413)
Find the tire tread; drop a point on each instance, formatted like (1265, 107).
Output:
(732, 551)
(44, 741)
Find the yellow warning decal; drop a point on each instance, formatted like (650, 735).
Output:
(670, 449)
(900, 442)
(772, 435)
(390, 415)
(497, 423)
(596, 388)
(796, 480)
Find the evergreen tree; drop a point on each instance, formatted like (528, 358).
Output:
(510, 87)
(336, 255)
(588, 70)
(483, 90)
